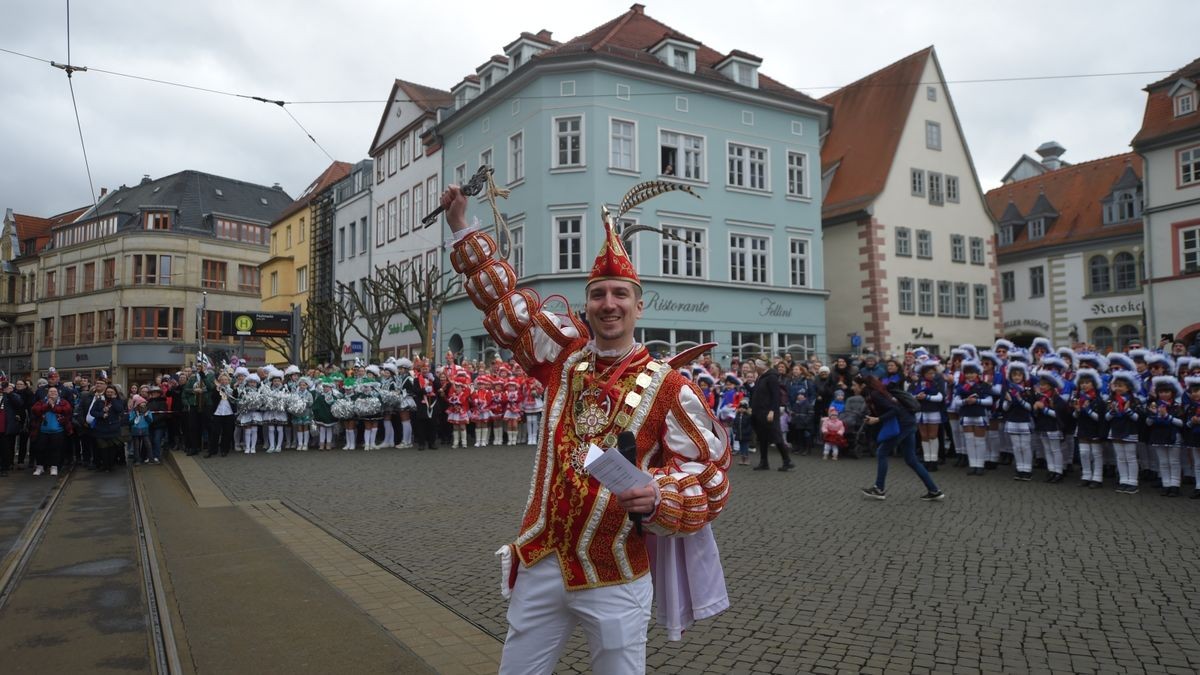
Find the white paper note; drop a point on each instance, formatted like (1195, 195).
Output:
(614, 471)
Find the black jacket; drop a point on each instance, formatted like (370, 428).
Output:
(765, 397)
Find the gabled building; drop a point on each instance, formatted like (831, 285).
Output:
(23, 238)
(570, 127)
(1169, 144)
(286, 275)
(407, 185)
(1070, 253)
(121, 287)
(908, 239)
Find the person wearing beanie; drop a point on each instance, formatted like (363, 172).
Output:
(1089, 410)
(929, 390)
(1018, 418)
(1165, 418)
(833, 434)
(139, 427)
(973, 399)
(1124, 412)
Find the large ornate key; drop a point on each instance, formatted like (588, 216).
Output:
(472, 188)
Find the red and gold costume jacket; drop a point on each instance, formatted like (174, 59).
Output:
(680, 443)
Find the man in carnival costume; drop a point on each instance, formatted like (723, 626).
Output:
(579, 559)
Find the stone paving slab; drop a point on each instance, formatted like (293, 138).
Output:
(441, 638)
(1002, 576)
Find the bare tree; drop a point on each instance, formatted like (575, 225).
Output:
(369, 308)
(418, 293)
(325, 325)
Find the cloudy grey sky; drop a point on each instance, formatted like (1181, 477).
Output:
(306, 50)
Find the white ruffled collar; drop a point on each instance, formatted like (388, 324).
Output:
(610, 353)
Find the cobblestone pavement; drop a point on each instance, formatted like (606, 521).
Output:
(1001, 577)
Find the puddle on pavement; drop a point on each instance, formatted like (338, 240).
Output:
(93, 568)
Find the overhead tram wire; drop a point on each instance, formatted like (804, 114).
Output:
(70, 70)
(281, 102)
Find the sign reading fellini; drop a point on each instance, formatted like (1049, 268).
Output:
(661, 303)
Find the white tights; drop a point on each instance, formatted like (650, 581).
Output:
(406, 432)
(302, 440)
(324, 436)
(1091, 461)
(976, 448)
(1022, 452)
(389, 433)
(251, 439)
(1053, 449)
(1168, 464)
(533, 422)
(1127, 461)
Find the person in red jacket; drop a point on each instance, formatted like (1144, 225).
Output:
(49, 429)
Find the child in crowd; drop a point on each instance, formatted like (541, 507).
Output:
(1191, 422)
(1089, 410)
(974, 401)
(801, 422)
(532, 406)
(742, 429)
(833, 433)
(139, 427)
(1164, 416)
(1047, 403)
(1018, 418)
(1124, 411)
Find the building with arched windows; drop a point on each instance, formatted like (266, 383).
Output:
(1071, 254)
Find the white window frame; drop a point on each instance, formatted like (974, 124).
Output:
(380, 226)
(905, 250)
(936, 196)
(945, 298)
(797, 185)
(1189, 256)
(925, 241)
(517, 242)
(682, 152)
(630, 245)
(460, 174)
(1185, 104)
(976, 244)
(431, 196)
(516, 158)
(613, 140)
(926, 297)
(418, 193)
(798, 263)
(916, 182)
(302, 279)
(391, 219)
(931, 93)
(405, 214)
(404, 151)
(958, 248)
(952, 189)
(906, 295)
(933, 135)
(1037, 281)
(682, 254)
(622, 92)
(1008, 286)
(979, 298)
(1037, 228)
(1005, 236)
(749, 258)
(1188, 166)
(740, 154)
(554, 139)
(962, 300)
(487, 157)
(558, 235)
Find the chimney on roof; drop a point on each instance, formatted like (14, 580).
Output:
(277, 186)
(544, 34)
(637, 8)
(103, 191)
(145, 179)
(1051, 152)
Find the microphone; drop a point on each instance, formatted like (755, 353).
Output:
(627, 446)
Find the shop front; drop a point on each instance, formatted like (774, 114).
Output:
(743, 320)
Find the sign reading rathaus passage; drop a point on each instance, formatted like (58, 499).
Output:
(256, 324)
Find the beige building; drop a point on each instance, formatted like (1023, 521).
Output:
(1169, 143)
(908, 241)
(138, 286)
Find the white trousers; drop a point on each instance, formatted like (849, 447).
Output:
(1022, 451)
(542, 614)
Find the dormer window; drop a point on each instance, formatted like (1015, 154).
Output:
(740, 67)
(1185, 103)
(158, 220)
(487, 81)
(1006, 235)
(681, 59)
(1037, 228)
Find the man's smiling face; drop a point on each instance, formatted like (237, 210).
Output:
(613, 308)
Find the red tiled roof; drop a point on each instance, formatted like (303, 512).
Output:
(869, 116)
(1159, 119)
(541, 37)
(629, 36)
(1075, 192)
(335, 172)
(31, 227)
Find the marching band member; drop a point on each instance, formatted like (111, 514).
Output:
(1164, 417)
(930, 391)
(1047, 406)
(974, 398)
(1124, 411)
(1018, 417)
(1089, 410)
(481, 413)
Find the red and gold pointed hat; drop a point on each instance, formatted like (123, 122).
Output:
(612, 262)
